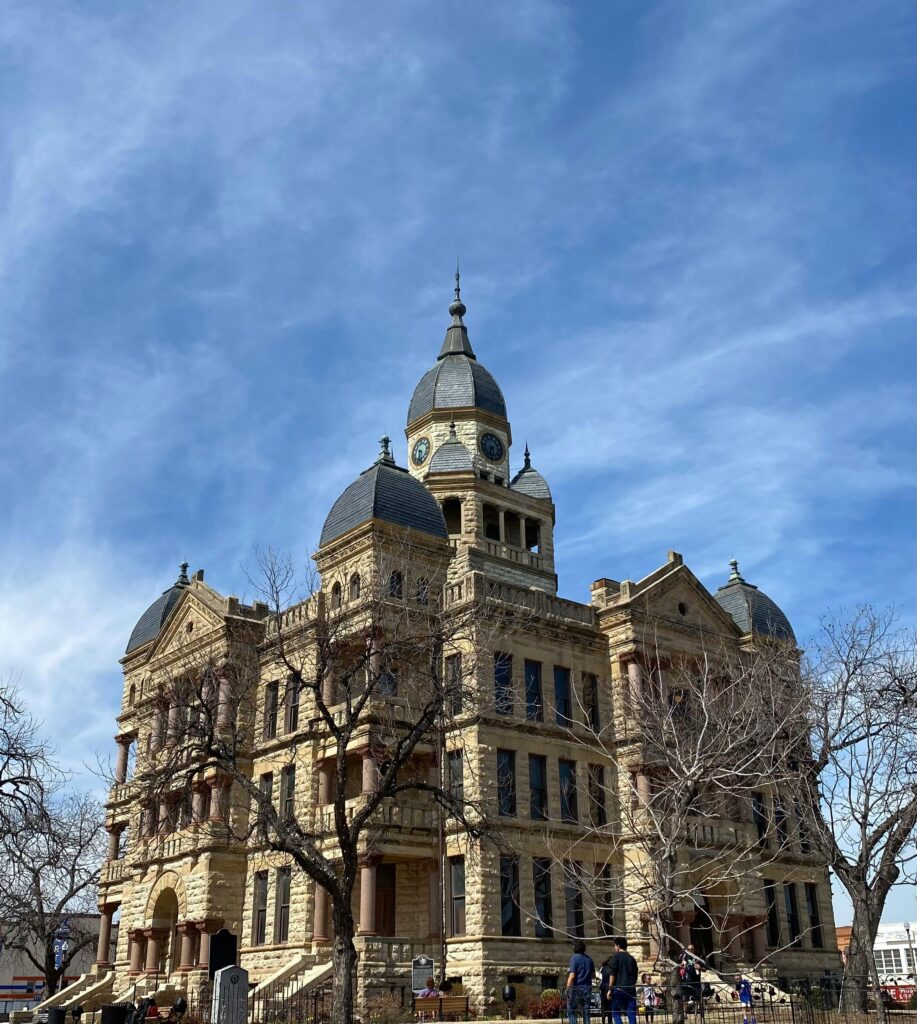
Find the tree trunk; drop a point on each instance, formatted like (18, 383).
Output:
(860, 973)
(344, 958)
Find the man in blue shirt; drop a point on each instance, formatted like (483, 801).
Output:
(579, 983)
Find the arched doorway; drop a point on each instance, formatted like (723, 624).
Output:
(702, 930)
(165, 918)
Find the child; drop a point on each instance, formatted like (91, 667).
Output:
(743, 987)
(648, 997)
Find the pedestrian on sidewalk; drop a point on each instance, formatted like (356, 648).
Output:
(623, 983)
(580, 973)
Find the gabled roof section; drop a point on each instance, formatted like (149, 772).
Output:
(154, 618)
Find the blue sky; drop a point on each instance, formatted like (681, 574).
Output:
(227, 235)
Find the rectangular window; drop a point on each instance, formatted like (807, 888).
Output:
(288, 792)
(506, 782)
(544, 909)
(887, 961)
(761, 819)
(510, 920)
(291, 706)
(457, 895)
(573, 899)
(780, 824)
(534, 697)
(818, 938)
(503, 683)
(266, 792)
(563, 709)
(598, 816)
(569, 810)
(454, 684)
(605, 896)
(538, 786)
(591, 701)
(802, 826)
(791, 906)
(773, 919)
(282, 920)
(271, 698)
(456, 777)
(259, 919)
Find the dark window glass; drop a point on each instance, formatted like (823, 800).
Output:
(457, 894)
(598, 816)
(506, 781)
(396, 585)
(805, 837)
(544, 909)
(266, 790)
(783, 834)
(454, 684)
(387, 684)
(815, 930)
(271, 701)
(282, 926)
(569, 810)
(773, 919)
(761, 818)
(573, 899)
(423, 590)
(336, 596)
(538, 786)
(355, 587)
(291, 701)
(606, 902)
(563, 709)
(456, 778)
(791, 906)
(288, 792)
(591, 701)
(259, 924)
(510, 921)
(534, 698)
(503, 683)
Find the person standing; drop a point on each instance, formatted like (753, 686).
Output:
(580, 973)
(743, 987)
(604, 982)
(649, 997)
(623, 983)
(691, 968)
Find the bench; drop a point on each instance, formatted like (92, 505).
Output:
(440, 1007)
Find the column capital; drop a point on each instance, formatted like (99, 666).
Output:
(155, 933)
(209, 925)
(108, 908)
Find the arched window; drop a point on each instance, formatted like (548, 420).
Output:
(396, 585)
(452, 513)
(355, 587)
(131, 695)
(423, 590)
(336, 596)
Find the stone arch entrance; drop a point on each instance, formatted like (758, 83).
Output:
(166, 906)
(702, 929)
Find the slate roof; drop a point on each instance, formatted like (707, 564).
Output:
(456, 381)
(387, 492)
(529, 481)
(451, 456)
(150, 624)
(751, 609)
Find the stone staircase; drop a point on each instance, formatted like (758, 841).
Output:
(90, 990)
(296, 978)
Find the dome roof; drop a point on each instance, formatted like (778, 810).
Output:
(751, 609)
(451, 456)
(457, 380)
(529, 481)
(388, 492)
(150, 624)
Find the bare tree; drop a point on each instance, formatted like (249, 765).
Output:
(51, 871)
(25, 758)
(676, 792)
(859, 793)
(389, 667)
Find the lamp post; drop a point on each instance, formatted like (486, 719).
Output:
(910, 946)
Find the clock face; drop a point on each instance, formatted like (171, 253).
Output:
(420, 451)
(491, 447)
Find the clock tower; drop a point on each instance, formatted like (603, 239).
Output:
(459, 441)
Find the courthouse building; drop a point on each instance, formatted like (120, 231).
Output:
(468, 503)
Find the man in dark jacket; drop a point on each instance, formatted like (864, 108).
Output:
(622, 990)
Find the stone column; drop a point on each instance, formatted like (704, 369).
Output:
(163, 816)
(103, 951)
(759, 943)
(320, 929)
(502, 517)
(635, 680)
(124, 746)
(137, 942)
(197, 804)
(644, 790)
(187, 931)
(114, 840)
(156, 734)
(370, 773)
(324, 784)
(434, 902)
(219, 790)
(367, 898)
(174, 721)
(206, 929)
(154, 937)
(683, 929)
(224, 704)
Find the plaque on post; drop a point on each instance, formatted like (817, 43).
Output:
(230, 996)
(422, 967)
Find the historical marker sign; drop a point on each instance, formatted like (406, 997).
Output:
(230, 996)
(422, 967)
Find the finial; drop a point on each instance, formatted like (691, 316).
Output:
(528, 458)
(457, 309)
(183, 574)
(452, 434)
(385, 454)
(735, 576)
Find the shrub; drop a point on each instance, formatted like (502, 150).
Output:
(548, 1007)
(387, 1009)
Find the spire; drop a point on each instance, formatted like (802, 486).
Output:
(527, 464)
(385, 454)
(452, 434)
(456, 341)
(183, 580)
(735, 576)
